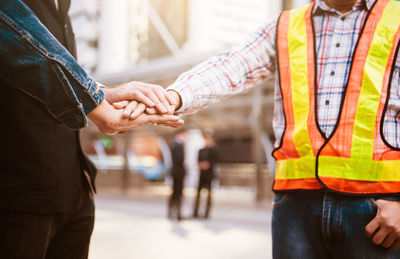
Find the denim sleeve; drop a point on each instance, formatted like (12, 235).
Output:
(32, 60)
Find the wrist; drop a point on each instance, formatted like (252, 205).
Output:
(104, 117)
(177, 98)
(95, 114)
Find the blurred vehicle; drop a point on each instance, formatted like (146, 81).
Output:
(108, 162)
(153, 164)
(151, 168)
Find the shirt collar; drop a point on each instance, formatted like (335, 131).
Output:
(320, 5)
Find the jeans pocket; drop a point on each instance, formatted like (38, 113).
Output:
(279, 199)
(373, 205)
(389, 197)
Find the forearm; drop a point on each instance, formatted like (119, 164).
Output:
(33, 61)
(230, 72)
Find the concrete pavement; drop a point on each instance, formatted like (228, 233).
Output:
(137, 228)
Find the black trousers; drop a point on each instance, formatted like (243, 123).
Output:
(48, 236)
(175, 201)
(205, 181)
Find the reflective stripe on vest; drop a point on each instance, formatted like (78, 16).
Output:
(355, 159)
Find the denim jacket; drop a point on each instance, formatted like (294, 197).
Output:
(32, 60)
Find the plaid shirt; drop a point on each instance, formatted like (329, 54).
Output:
(244, 66)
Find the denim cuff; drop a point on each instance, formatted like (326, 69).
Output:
(94, 98)
(88, 96)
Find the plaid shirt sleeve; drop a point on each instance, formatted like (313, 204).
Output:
(229, 72)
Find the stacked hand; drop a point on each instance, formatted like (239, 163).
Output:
(134, 104)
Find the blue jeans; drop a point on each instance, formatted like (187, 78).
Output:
(319, 224)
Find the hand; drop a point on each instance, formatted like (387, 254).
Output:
(111, 121)
(384, 229)
(153, 96)
(204, 165)
(173, 95)
(132, 109)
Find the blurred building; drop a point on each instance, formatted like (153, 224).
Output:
(114, 36)
(155, 41)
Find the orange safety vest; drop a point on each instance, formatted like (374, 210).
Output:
(355, 158)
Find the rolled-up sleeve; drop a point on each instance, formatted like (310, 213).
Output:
(229, 72)
(32, 60)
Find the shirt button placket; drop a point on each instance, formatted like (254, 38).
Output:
(333, 52)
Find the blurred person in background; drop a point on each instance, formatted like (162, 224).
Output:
(208, 156)
(46, 182)
(336, 123)
(178, 172)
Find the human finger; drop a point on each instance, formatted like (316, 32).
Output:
(138, 111)
(160, 119)
(171, 99)
(372, 226)
(150, 93)
(162, 96)
(151, 111)
(121, 104)
(128, 91)
(379, 236)
(129, 109)
(144, 97)
(389, 241)
(177, 124)
(396, 245)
